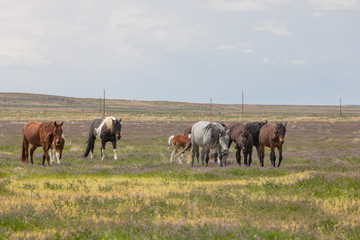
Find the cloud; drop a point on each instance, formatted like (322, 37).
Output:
(336, 4)
(319, 14)
(265, 60)
(20, 53)
(273, 27)
(244, 5)
(298, 62)
(248, 51)
(227, 47)
(237, 6)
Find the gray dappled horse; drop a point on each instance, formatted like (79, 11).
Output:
(209, 135)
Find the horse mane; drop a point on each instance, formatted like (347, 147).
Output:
(214, 130)
(108, 123)
(47, 128)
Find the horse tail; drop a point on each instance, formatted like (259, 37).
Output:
(185, 149)
(88, 147)
(89, 142)
(23, 151)
(170, 138)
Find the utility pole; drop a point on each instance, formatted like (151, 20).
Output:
(210, 105)
(104, 103)
(242, 104)
(340, 107)
(100, 106)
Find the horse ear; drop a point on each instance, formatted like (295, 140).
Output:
(61, 124)
(120, 119)
(285, 124)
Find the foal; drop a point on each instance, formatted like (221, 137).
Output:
(56, 149)
(177, 142)
(244, 142)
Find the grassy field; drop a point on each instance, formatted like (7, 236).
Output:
(313, 195)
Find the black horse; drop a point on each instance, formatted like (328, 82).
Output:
(254, 130)
(108, 129)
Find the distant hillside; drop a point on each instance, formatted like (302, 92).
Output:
(37, 102)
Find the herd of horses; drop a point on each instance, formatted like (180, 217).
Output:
(219, 137)
(214, 136)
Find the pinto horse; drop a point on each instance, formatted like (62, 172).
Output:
(56, 149)
(272, 137)
(178, 141)
(40, 135)
(108, 130)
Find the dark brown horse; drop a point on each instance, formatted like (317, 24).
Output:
(188, 130)
(253, 128)
(234, 130)
(272, 137)
(244, 142)
(40, 135)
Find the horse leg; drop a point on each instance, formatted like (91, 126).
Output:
(46, 155)
(189, 157)
(272, 156)
(202, 156)
(114, 149)
(238, 156)
(52, 155)
(245, 152)
(92, 147)
(280, 155)
(261, 154)
(31, 154)
(207, 157)
(195, 150)
(172, 154)
(103, 143)
(250, 157)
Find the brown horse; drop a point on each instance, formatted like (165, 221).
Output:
(272, 137)
(40, 135)
(178, 141)
(244, 142)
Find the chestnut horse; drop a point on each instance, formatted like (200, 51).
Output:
(40, 135)
(272, 137)
(244, 142)
(178, 141)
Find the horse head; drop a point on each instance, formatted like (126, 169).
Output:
(280, 131)
(57, 133)
(245, 141)
(224, 138)
(117, 128)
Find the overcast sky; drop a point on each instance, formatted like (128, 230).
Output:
(276, 51)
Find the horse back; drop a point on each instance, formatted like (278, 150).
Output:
(235, 130)
(267, 136)
(180, 140)
(31, 133)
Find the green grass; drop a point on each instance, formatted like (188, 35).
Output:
(313, 195)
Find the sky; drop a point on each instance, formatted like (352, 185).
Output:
(293, 52)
